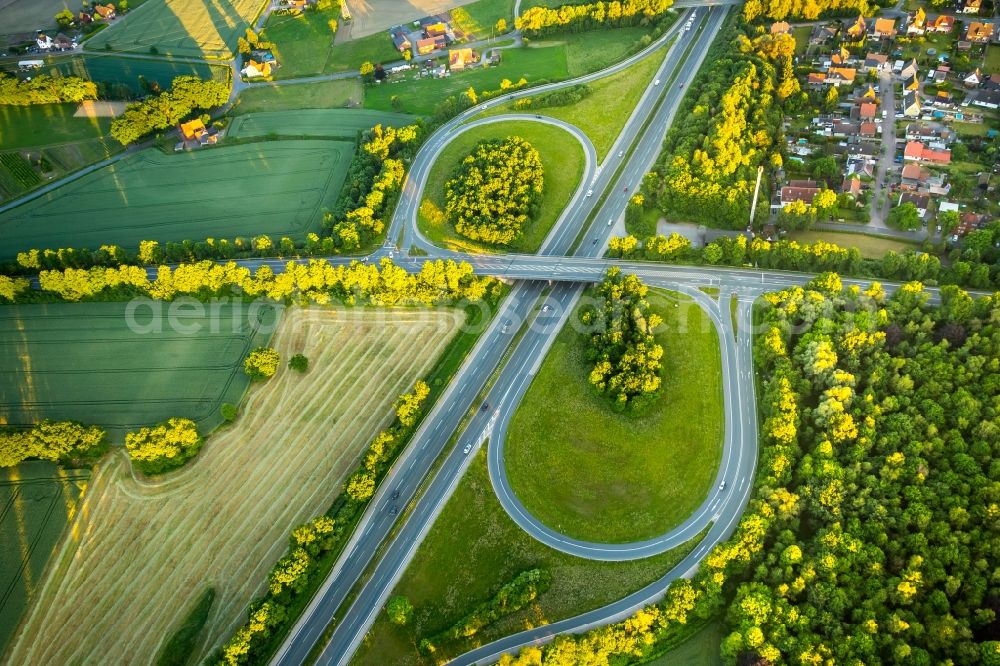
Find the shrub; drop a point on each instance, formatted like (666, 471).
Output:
(228, 411)
(261, 363)
(299, 363)
(400, 610)
(163, 447)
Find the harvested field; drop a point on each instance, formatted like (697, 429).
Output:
(37, 500)
(139, 554)
(193, 28)
(271, 187)
(371, 16)
(81, 361)
(331, 123)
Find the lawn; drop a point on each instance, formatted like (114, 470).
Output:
(588, 52)
(599, 475)
(331, 123)
(421, 95)
(150, 548)
(801, 35)
(321, 95)
(37, 500)
(702, 649)
(46, 124)
(871, 247)
(992, 63)
(305, 46)
(83, 361)
(114, 70)
(603, 113)
(271, 187)
(562, 161)
(192, 28)
(478, 19)
(472, 549)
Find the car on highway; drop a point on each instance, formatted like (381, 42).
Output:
(590, 193)
(620, 153)
(486, 406)
(465, 451)
(656, 82)
(546, 308)
(610, 222)
(682, 85)
(506, 326)
(395, 494)
(722, 486)
(393, 511)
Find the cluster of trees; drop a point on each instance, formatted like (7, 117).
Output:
(262, 363)
(308, 543)
(44, 89)
(165, 446)
(186, 94)
(808, 10)
(12, 289)
(318, 281)
(561, 97)
(541, 20)
(658, 247)
(729, 125)
(512, 597)
(495, 190)
(372, 185)
(872, 532)
(627, 360)
(58, 441)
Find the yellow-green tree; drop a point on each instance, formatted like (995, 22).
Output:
(261, 363)
(165, 446)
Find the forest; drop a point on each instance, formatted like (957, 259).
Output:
(541, 20)
(873, 534)
(729, 123)
(495, 191)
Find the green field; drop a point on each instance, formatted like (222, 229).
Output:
(270, 187)
(305, 46)
(321, 95)
(992, 63)
(193, 28)
(871, 247)
(599, 475)
(86, 362)
(702, 649)
(472, 549)
(478, 19)
(562, 161)
(332, 123)
(37, 501)
(110, 68)
(421, 95)
(45, 124)
(603, 113)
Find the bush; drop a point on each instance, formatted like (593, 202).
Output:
(179, 647)
(400, 610)
(261, 363)
(228, 411)
(165, 446)
(299, 363)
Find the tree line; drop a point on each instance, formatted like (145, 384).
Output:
(45, 89)
(186, 95)
(627, 359)
(317, 281)
(510, 598)
(58, 441)
(808, 10)
(539, 21)
(872, 529)
(312, 546)
(561, 97)
(495, 191)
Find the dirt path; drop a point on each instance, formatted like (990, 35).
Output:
(139, 554)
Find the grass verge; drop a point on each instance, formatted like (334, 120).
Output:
(599, 475)
(562, 161)
(871, 247)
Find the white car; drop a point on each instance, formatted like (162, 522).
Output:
(465, 451)
(610, 222)
(590, 193)
(656, 82)
(722, 486)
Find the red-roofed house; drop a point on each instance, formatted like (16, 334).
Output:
(941, 24)
(885, 28)
(920, 153)
(868, 130)
(868, 110)
(979, 33)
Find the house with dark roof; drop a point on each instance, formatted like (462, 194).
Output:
(987, 99)
(921, 201)
(401, 40)
(821, 34)
(876, 62)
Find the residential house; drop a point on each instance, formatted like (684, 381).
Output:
(876, 62)
(85, 18)
(970, 222)
(921, 201)
(870, 94)
(840, 58)
(43, 41)
(264, 55)
(943, 98)
(885, 28)
(917, 23)
(914, 176)
(973, 79)
(859, 166)
(909, 70)
(979, 33)
(401, 40)
(64, 43)
(869, 110)
(941, 73)
(798, 190)
(942, 24)
(947, 207)
(816, 79)
(459, 59)
(843, 128)
(911, 104)
(918, 132)
(992, 82)
(868, 131)
(857, 30)
(255, 70)
(429, 45)
(823, 33)
(918, 152)
(194, 131)
(971, 6)
(835, 76)
(436, 30)
(910, 83)
(987, 99)
(780, 28)
(852, 186)
(106, 12)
